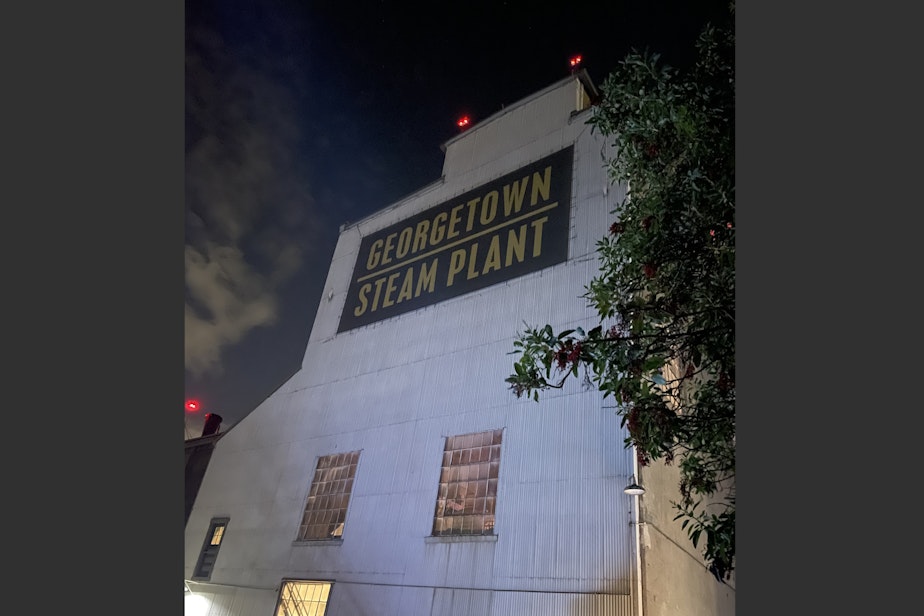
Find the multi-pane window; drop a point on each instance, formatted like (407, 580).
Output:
(217, 534)
(325, 511)
(210, 547)
(468, 484)
(303, 598)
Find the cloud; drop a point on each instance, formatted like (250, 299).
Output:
(232, 298)
(248, 205)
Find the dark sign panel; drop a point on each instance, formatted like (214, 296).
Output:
(514, 225)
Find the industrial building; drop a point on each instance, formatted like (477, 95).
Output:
(396, 473)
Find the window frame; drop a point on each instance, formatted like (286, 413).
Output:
(472, 505)
(208, 548)
(286, 581)
(318, 494)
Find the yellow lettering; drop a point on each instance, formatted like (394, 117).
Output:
(489, 207)
(426, 276)
(471, 213)
(407, 287)
(513, 197)
(389, 289)
(378, 290)
(456, 263)
(374, 254)
(541, 185)
(359, 310)
(537, 237)
(388, 248)
(493, 260)
(436, 234)
(471, 263)
(454, 219)
(517, 244)
(404, 242)
(420, 235)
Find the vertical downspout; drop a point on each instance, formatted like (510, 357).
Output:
(637, 508)
(636, 524)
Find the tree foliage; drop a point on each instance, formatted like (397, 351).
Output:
(665, 291)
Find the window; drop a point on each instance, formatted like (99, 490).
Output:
(325, 511)
(303, 598)
(210, 548)
(468, 485)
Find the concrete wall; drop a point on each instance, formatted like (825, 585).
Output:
(675, 579)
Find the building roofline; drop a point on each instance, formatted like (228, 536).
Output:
(203, 440)
(427, 187)
(580, 75)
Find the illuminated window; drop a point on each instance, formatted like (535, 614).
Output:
(468, 485)
(216, 536)
(210, 547)
(325, 511)
(303, 598)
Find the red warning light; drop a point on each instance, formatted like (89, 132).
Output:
(574, 61)
(463, 122)
(192, 405)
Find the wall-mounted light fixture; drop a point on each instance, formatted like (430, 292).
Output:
(633, 489)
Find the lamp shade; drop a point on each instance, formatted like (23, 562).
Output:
(634, 489)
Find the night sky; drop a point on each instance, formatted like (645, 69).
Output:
(303, 116)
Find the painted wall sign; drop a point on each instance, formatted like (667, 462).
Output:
(511, 226)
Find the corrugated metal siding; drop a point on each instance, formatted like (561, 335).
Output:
(564, 511)
(524, 124)
(360, 599)
(222, 605)
(396, 388)
(519, 603)
(460, 602)
(593, 197)
(228, 601)
(348, 599)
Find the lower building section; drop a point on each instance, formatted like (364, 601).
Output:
(332, 598)
(206, 599)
